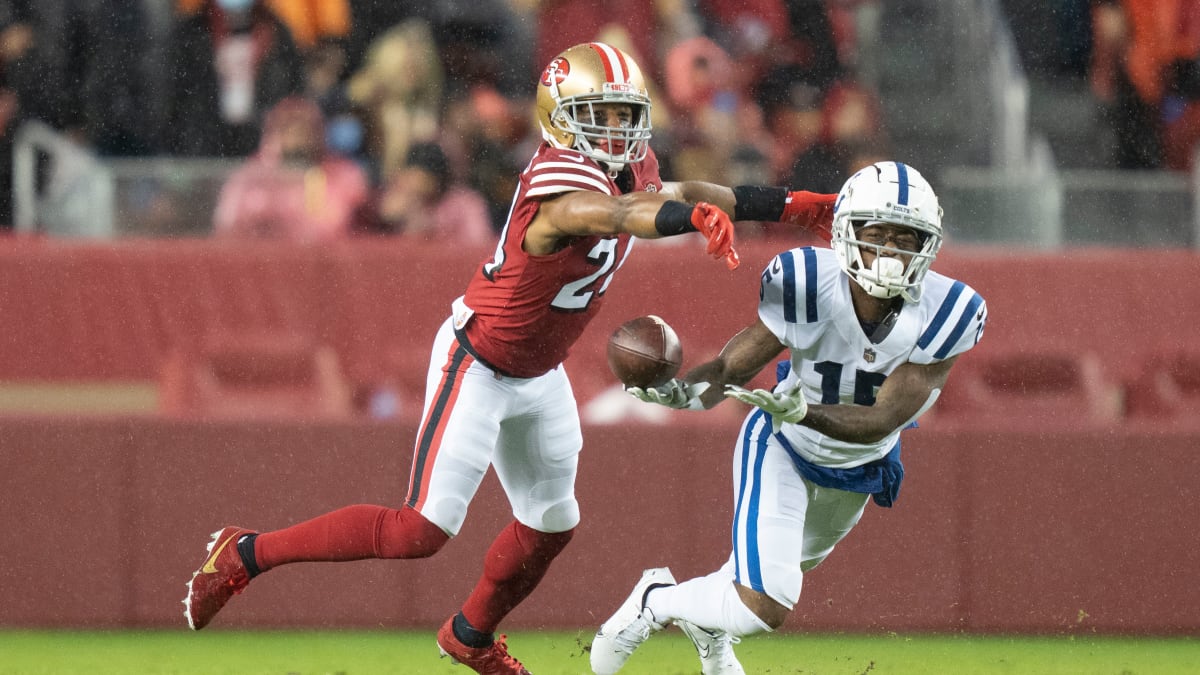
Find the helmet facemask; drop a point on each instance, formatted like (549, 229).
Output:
(893, 194)
(614, 146)
(888, 275)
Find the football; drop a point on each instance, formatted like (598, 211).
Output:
(644, 352)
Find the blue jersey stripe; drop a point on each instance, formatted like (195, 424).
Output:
(789, 286)
(943, 313)
(902, 174)
(963, 322)
(737, 511)
(754, 564)
(810, 285)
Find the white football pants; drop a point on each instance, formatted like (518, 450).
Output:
(527, 428)
(783, 524)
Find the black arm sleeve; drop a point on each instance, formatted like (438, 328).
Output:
(755, 202)
(674, 218)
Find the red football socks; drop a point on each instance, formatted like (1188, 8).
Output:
(515, 563)
(352, 533)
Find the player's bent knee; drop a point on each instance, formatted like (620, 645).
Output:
(775, 615)
(448, 514)
(408, 534)
(782, 583)
(558, 517)
(764, 607)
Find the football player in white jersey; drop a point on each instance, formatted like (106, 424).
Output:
(871, 334)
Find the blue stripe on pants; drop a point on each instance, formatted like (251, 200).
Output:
(749, 503)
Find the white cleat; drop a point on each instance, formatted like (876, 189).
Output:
(715, 648)
(629, 626)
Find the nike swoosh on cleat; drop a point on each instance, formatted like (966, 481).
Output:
(208, 567)
(704, 649)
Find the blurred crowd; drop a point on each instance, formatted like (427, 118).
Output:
(361, 117)
(1140, 59)
(1146, 64)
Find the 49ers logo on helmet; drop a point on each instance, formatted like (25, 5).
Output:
(556, 72)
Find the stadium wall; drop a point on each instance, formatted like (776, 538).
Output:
(995, 531)
(1029, 507)
(95, 313)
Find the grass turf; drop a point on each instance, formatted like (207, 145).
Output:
(214, 652)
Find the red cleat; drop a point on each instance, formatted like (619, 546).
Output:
(221, 577)
(493, 660)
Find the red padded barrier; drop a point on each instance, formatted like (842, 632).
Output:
(114, 311)
(388, 298)
(1167, 388)
(1000, 530)
(248, 376)
(94, 311)
(1029, 388)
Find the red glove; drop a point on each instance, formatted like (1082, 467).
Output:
(717, 228)
(810, 210)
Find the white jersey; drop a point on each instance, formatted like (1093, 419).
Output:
(804, 299)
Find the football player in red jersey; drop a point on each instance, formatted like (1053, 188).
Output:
(496, 392)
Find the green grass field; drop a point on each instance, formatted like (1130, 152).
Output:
(214, 652)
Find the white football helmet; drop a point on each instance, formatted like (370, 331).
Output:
(585, 75)
(897, 194)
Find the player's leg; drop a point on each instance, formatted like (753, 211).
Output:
(783, 526)
(452, 455)
(755, 589)
(237, 555)
(831, 515)
(536, 461)
(725, 608)
(708, 608)
(452, 452)
(760, 583)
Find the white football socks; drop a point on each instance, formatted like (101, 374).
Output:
(711, 602)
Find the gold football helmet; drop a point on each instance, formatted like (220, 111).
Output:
(588, 75)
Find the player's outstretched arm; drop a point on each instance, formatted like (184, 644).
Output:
(742, 357)
(812, 211)
(908, 391)
(643, 214)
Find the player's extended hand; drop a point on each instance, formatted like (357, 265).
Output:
(717, 228)
(812, 211)
(674, 394)
(786, 406)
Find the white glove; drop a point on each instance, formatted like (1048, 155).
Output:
(674, 394)
(788, 406)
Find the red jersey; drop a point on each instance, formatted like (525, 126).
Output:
(529, 310)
